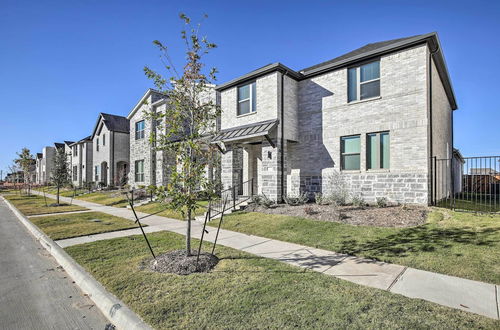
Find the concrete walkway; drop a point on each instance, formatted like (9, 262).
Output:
(472, 296)
(35, 292)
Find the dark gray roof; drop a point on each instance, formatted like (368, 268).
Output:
(246, 131)
(39, 155)
(363, 53)
(113, 123)
(59, 145)
(360, 51)
(116, 123)
(69, 142)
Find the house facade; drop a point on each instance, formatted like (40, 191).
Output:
(46, 165)
(110, 154)
(81, 161)
(146, 164)
(372, 118)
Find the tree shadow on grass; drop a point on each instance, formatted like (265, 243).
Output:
(420, 239)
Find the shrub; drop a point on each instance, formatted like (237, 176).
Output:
(339, 188)
(381, 202)
(358, 201)
(321, 199)
(263, 200)
(296, 200)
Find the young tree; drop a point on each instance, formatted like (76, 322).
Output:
(186, 127)
(60, 175)
(25, 162)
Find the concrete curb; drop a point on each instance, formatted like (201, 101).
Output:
(112, 308)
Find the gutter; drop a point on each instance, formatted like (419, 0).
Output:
(282, 126)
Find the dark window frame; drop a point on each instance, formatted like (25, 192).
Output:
(251, 98)
(342, 153)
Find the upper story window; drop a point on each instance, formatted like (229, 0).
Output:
(75, 150)
(97, 145)
(103, 140)
(377, 151)
(139, 130)
(350, 148)
(247, 99)
(363, 81)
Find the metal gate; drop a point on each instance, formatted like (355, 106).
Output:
(469, 183)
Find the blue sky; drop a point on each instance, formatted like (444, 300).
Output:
(63, 62)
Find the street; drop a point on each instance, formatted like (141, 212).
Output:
(35, 292)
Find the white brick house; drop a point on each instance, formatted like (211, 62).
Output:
(45, 165)
(147, 165)
(376, 115)
(143, 157)
(81, 161)
(110, 154)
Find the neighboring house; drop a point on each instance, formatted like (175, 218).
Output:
(110, 143)
(81, 161)
(67, 151)
(47, 164)
(458, 162)
(38, 167)
(143, 157)
(373, 117)
(147, 165)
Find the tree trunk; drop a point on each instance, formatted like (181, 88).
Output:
(57, 195)
(188, 234)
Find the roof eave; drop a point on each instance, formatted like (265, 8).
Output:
(258, 73)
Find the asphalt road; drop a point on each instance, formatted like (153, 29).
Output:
(35, 292)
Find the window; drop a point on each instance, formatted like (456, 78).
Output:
(139, 171)
(363, 82)
(75, 151)
(350, 152)
(96, 173)
(97, 145)
(103, 140)
(247, 99)
(139, 130)
(75, 173)
(377, 150)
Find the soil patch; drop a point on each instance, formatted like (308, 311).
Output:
(391, 216)
(176, 262)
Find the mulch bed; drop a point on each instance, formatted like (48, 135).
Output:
(176, 262)
(390, 216)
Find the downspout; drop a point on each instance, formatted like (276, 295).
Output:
(112, 160)
(282, 126)
(431, 149)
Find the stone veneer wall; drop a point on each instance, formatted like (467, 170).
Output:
(325, 116)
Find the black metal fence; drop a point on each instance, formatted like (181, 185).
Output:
(470, 183)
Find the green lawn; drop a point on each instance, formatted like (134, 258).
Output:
(109, 198)
(249, 292)
(34, 204)
(454, 243)
(160, 209)
(79, 224)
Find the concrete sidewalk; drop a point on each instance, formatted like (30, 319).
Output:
(472, 296)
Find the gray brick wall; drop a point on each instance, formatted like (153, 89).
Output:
(325, 116)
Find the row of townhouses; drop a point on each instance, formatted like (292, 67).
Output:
(376, 116)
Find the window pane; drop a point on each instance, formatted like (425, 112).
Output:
(350, 162)
(371, 149)
(352, 89)
(243, 92)
(384, 150)
(254, 97)
(370, 71)
(370, 89)
(243, 107)
(350, 144)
